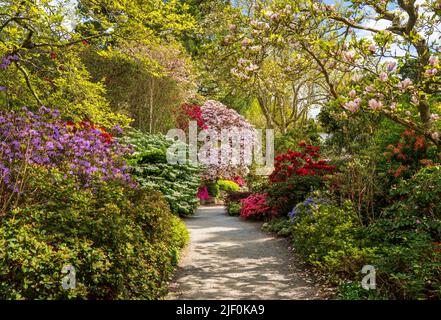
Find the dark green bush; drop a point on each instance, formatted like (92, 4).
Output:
(212, 188)
(409, 236)
(122, 242)
(233, 209)
(282, 226)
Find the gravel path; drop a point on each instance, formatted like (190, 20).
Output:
(231, 259)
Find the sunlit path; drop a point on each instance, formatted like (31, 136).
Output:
(232, 259)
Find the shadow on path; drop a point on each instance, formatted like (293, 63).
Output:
(231, 259)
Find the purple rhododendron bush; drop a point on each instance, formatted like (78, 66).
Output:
(67, 199)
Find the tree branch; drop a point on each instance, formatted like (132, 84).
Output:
(28, 82)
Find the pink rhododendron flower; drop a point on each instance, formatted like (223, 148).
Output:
(203, 193)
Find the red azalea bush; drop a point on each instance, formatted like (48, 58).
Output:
(304, 163)
(295, 174)
(187, 113)
(255, 207)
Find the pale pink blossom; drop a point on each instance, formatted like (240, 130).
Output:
(431, 72)
(391, 66)
(435, 135)
(433, 60)
(408, 113)
(349, 55)
(393, 105)
(356, 78)
(352, 93)
(403, 85)
(246, 42)
(372, 48)
(369, 89)
(414, 100)
(374, 104)
(383, 76)
(352, 106)
(275, 16)
(434, 116)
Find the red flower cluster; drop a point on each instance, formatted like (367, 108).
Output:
(86, 124)
(407, 154)
(255, 206)
(303, 163)
(188, 113)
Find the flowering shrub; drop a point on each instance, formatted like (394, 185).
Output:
(203, 193)
(304, 163)
(295, 174)
(255, 207)
(219, 117)
(188, 113)
(312, 201)
(239, 180)
(215, 116)
(326, 235)
(409, 154)
(42, 139)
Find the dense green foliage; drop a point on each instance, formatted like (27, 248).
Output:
(72, 192)
(123, 243)
(178, 182)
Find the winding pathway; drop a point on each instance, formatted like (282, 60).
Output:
(231, 259)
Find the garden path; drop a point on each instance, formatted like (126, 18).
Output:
(232, 259)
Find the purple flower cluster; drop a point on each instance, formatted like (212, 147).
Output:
(313, 201)
(6, 61)
(42, 139)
